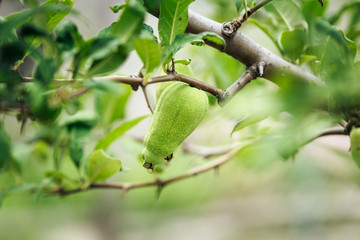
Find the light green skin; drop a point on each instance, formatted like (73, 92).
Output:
(160, 87)
(180, 69)
(179, 111)
(355, 145)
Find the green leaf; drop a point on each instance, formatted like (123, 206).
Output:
(87, 118)
(312, 10)
(102, 46)
(298, 132)
(61, 180)
(100, 55)
(45, 71)
(104, 86)
(288, 12)
(109, 63)
(250, 120)
(269, 33)
(79, 127)
(150, 53)
(5, 148)
(13, 21)
(307, 58)
(29, 30)
(117, 7)
(339, 36)
(173, 19)
(16, 188)
(53, 10)
(118, 132)
(110, 106)
(220, 68)
(153, 6)
(338, 54)
(78, 136)
(293, 43)
(184, 39)
(258, 155)
(12, 52)
(101, 166)
(59, 10)
(111, 47)
(130, 22)
(68, 36)
(238, 6)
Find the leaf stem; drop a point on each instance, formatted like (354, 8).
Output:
(147, 99)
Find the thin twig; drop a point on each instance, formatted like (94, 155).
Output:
(229, 29)
(330, 132)
(218, 93)
(343, 123)
(215, 164)
(135, 82)
(31, 79)
(147, 99)
(16, 107)
(79, 93)
(250, 74)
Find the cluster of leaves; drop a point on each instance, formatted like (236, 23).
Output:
(38, 34)
(303, 34)
(300, 31)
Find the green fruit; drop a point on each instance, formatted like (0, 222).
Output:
(160, 87)
(355, 145)
(179, 111)
(180, 69)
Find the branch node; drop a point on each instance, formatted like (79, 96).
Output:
(228, 29)
(124, 191)
(253, 71)
(261, 68)
(159, 182)
(158, 191)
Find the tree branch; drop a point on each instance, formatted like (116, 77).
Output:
(330, 132)
(247, 51)
(218, 93)
(229, 29)
(239, 47)
(250, 74)
(215, 164)
(136, 82)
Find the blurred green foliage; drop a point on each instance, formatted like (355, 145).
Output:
(70, 142)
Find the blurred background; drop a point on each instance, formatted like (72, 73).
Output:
(315, 195)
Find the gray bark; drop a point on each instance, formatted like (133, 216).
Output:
(247, 51)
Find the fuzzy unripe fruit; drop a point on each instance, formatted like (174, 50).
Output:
(355, 145)
(179, 111)
(180, 69)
